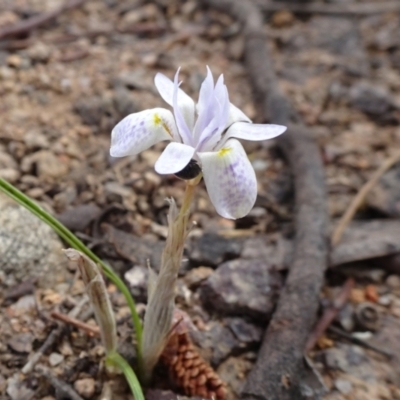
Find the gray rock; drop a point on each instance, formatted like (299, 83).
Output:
(156, 394)
(363, 240)
(21, 343)
(139, 250)
(351, 359)
(336, 359)
(212, 249)
(277, 250)
(385, 196)
(231, 337)
(218, 343)
(388, 338)
(28, 247)
(371, 98)
(344, 386)
(248, 334)
(78, 218)
(242, 288)
(93, 109)
(124, 102)
(18, 389)
(233, 371)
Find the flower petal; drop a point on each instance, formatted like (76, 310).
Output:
(205, 105)
(236, 115)
(248, 131)
(174, 158)
(230, 180)
(211, 135)
(139, 131)
(186, 105)
(183, 128)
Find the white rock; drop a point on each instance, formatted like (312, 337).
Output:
(344, 386)
(55, 359)
(85, 387)
(28, 247)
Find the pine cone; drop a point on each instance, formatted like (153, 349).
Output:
(191, 373)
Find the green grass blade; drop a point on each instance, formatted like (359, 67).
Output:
(116, 359)
(74, 242)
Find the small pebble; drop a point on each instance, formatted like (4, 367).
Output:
(21, 343)
(282, 18)
(55, 359)
(371, 293)
(10, 174)
(343, 386)
(85, 387)
(195, 276)
(357, 295)
(393, 281)
(14, 60)
(385, 300)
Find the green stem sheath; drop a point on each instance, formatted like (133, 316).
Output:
(117, 360)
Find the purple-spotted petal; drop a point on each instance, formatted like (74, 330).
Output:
(174, 158)
(247, 131)
(186, 105)
(230, 180)
(139, 131)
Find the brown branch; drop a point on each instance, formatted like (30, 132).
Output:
(330, 314)
(89, 329)
(29, 24)
(279, 370)
(331, 9)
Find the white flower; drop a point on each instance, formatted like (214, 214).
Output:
(207, 139)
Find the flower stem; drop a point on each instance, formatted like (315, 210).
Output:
(188, 196)
(74, 242)
(117, 360)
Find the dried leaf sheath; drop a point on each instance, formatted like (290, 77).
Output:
(160, 307)
(97, 292)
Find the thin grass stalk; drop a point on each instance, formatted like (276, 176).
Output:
(74, 242)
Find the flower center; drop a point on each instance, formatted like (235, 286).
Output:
(190, 171)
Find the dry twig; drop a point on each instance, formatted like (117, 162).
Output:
(356, 9)
(74, 55)
(360, 342)
(281, 355)
(52, 338)
(34, 22)
(89, 329)
(358, 200)
(330, 314)
(63, 390)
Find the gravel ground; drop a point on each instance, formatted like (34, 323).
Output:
(62, 89)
